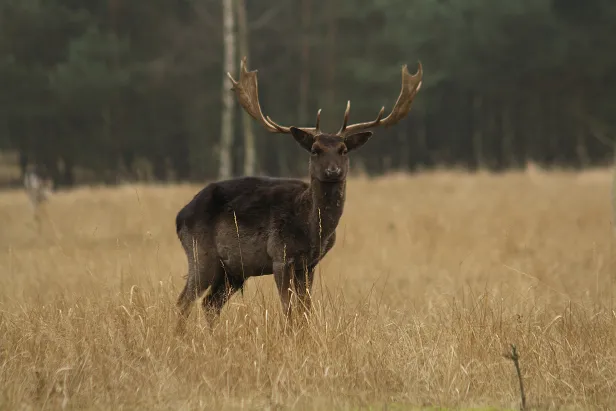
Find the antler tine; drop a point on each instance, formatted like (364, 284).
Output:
(247, 92)
(410, 86)
(279, 128)
(318, 125)
(232, 79)
(345, 121)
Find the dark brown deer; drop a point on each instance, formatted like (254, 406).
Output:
(252, 226)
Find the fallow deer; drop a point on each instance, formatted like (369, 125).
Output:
(253, 226)
(38, 190)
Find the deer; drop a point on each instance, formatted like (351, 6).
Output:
(252, 226)
(38, 190)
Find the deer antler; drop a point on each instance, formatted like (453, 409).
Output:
(410, 86)
(247, 92)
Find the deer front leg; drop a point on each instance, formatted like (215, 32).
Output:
(303, 288)
(283, 273)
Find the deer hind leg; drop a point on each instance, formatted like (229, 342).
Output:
(203, 269)
(283, 274)
(223, 288)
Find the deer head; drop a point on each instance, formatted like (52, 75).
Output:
(329, 161)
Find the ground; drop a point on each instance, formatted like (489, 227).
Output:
(432, 278)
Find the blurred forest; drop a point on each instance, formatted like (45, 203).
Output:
(115, 90)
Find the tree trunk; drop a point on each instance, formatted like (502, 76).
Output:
(424, 159)
(404, 159)
(158, 167)
(554, 145)
(250, 155)
(508, 153)
(478, 132)
(495, 139)
(228, 103)
(23, 163)
(69, 172)
(304, 80)
(180, 155)
(580, 148)
(330, 67)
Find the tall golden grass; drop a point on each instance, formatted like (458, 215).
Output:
(432, 278)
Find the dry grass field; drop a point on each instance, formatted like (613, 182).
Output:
(432, 278)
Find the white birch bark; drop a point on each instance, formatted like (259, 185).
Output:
(228, 102)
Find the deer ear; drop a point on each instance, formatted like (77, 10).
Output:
(355, 141)
(306, 140)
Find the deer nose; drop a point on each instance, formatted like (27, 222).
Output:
(333, 171)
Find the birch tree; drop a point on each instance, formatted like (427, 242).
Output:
(304, 81)
(228, 103)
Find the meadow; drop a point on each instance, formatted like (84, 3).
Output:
(432, 279)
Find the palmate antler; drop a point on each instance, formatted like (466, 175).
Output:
(246, 90)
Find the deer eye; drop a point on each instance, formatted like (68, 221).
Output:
(315, 151)
(343, 151)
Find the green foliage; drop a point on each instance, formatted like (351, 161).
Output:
(93, 68)
(97, 84)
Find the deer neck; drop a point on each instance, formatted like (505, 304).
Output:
(327, 205)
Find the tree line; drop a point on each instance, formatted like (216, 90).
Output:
(104, 90)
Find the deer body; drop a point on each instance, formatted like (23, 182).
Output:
(252, 226)
(251, 218)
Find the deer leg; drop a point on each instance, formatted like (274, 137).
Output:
(282, 275)
(303, 288)
(222, 290)
(201, 274)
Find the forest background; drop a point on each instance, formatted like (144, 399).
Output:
(114, 90)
